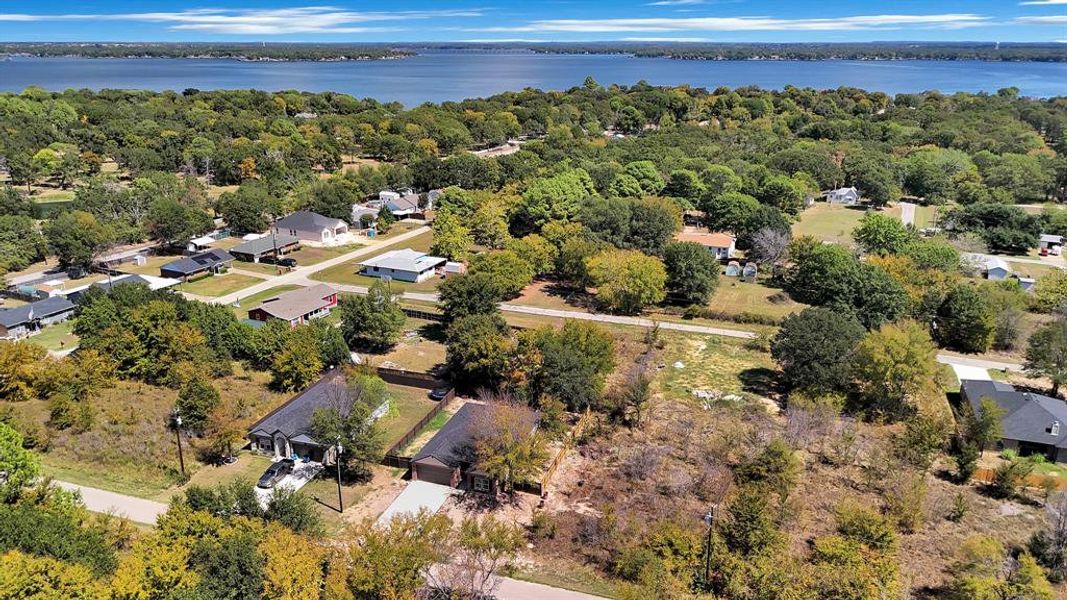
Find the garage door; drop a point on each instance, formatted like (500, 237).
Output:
(440, 475)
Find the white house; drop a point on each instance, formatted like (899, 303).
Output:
(1052, 243)
(722, 245)
(403, 265)
(847, 196)
(991, 266)
(312, 227)
(402, 203)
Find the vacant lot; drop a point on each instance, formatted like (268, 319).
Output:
(219, 285)
(150, 267)
(829, 222)
(420, 349)
(713, 364)
(735, 297)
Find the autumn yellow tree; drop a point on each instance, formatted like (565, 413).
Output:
(289, 575)
(32, 578)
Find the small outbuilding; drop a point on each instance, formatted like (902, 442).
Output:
(1052, 243)
(722, 245)
(849, 196)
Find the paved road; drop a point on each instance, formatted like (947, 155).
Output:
(103, 501)
(966, 361)
(513, 589)
(303, 273)
(907, 213)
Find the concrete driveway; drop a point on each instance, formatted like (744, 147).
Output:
(417, 496)
(971, 372)
(302, 473)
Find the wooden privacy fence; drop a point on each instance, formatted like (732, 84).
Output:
(540, 487)
(392, 457)
(417, 379)
(1033, 480)
(424, 314)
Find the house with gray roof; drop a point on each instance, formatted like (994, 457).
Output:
(311, 227)
(407, 265)
(212, 261)
(267, 246)
(403, 203)
(28, 319)
(1031, 424)
(297, 306)
(152, 283)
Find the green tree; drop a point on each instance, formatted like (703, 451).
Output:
(507, 445)
(626, 280)
(297, 365)
(537, 251)
(76, 237)
(573, 363)
(20, 465)
(882, 234)
(965, 320)
(374, 320)
(477, 349)
(349, 419)
(508, 272)
(692, 273)
(170, 222)
(1046, 353)
(469, 294)
(896, 369)
(451, 239)
(196, 400)
(247, 210)
(815, 348)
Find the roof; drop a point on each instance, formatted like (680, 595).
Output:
(305, 220)
(843, 191)
(293, 418)
(405, 203)
(704, 238)
(406, 259)
(264, 244)
(13, 317)
(297, 303)
(1055, 239)
(452, 445)
(153, 283)
(204, 240)
(987, 262)
(1027, 417)
(198, 262)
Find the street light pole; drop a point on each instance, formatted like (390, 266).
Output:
(178, 436)
(340, 500)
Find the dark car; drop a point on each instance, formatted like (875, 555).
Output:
(287, 262)
(439, 393)
(276, 473)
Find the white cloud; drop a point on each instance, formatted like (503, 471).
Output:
(666, 39)
(1042, 2)
(855, 23)
(277, 21)
(1051, 20)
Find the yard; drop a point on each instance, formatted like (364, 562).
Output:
(829, 222)
(421, 349)
(57, 337)
(348, 272)
(735, 297)
(150, 267)
(711, 364)
(309, 255)
(250, 302)
(409, 405)
(219, 285)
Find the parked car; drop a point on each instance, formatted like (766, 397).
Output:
(287, 262)
(439, 393)
(276, 473)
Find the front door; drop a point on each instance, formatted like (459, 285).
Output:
(281, 446)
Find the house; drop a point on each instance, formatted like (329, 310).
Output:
(286, 431)
(403, 265)
(722, 245)
(448, 458)
(311, 227)
(28, 319)
(402, 204)
(1031, 424)
(200, 244)
(364, 216)
(297, 306)
(152, 283)
(267, 246)
(212, 261)
(1052, 243)
(992, 267)
(849, 196)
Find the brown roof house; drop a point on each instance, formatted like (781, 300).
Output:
(722, 245)
(297, 306)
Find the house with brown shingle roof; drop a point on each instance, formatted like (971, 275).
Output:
(297, 306)
(722, 245)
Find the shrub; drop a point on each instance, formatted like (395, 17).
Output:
(1009, 477)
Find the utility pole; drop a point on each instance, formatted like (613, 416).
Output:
(178, 436)
(274, 239)
(709, 520)
(340, 500)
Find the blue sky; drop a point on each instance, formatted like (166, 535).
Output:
(535, 20)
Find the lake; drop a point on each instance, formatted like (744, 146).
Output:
(440, 76)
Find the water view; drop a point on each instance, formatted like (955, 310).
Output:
(442, 76)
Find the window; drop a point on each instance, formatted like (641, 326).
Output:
(266, 444)
(481, 484)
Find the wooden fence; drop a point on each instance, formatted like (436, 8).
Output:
(540, 487)
(426, 381)
(1033, 480)
(392, 457)
(424, 314)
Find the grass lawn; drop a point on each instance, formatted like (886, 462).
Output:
(150, 267)
(735, 297)
(219, 285)
(399, 228)
(250, 302)
(308, 255)
(249, 467)
(264, 268)
(829, 222)
(348, 272)
(57, 337)
(566, 575)
(1030, 269)
(323, 489)
(713, 364)
(419, 352)
(409, 404)
(227, 243)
